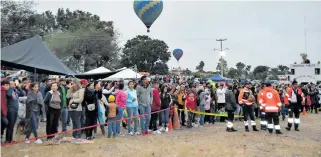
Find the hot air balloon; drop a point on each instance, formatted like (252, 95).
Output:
(178, 53)
(148, 11)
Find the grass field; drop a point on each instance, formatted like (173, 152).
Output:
(210, 141)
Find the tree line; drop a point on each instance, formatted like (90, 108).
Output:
(83, 42)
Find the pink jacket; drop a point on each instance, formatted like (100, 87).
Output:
(121, 98)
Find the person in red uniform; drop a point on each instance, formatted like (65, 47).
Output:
(245, 101)
(271, 105)
(293, 100)
(263, 121)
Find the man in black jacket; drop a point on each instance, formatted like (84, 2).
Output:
(230, 107)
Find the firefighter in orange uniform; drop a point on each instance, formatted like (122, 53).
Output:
(263, 121)
(293, 100)
(245, 101)
(271, 105)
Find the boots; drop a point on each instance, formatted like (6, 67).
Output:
(288, 128)
(278, 132)
(263, 127)
(247, 129)
(296, 127)
(270, 131)
(254, 128)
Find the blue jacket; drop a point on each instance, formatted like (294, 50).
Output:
(131, 94)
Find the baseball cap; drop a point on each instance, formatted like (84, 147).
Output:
(83, 82)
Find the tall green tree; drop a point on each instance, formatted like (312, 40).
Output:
(200, 66)
(19, 22)
(145, 52)
(84, 42)
(261, 72)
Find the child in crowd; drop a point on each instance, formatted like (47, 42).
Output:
(111, 113)
(190, 104)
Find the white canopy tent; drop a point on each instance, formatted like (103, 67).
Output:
(124, 74)
(98, 70)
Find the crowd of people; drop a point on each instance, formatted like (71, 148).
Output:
(148, 104)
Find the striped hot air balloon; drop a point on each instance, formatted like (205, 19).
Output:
(148, 11)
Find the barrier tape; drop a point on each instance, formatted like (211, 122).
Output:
(209, 114)
(88, 127)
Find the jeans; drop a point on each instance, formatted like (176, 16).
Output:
(202, 117)
(53, 116)
(132, 112)
(118, 118)
(12, 118)
(64, 119)
(34, 123)
(112, 126)
(91, 119)
(165, 117)
(144, 119)
(75, 118)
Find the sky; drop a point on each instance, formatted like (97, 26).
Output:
(257, 32)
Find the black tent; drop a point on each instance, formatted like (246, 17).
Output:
(33, 55)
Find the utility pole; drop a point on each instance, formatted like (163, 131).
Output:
(221, 51)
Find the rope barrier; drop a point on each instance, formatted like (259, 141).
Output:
(141, 115)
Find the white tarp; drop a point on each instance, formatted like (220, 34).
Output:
(124, 74)
(98, 70)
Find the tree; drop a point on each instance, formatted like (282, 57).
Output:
(224, 65)
(20, 22)
(187, 72)
(283, 69)
(261, 72)
(160, 69)
(200, 67)
(83, 42)
(232, 73)
(144, 52)
(240, 66)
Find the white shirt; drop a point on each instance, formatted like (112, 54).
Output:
(293, 98)
(220, 95)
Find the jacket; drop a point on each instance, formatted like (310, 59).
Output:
(145, 95)
(259, 98)
(156, 104)
(121, 98)
(181, 98)
(314, 96)
(243, 97)
(131, 94)
(4, 109)
(12, 100)
(77, 97)
(230, 100)
(166, 100)
(111, 110)
(48, 98)
(270, 100)
(288, 96)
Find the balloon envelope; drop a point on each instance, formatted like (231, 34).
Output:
(148, 11)
(178, 53)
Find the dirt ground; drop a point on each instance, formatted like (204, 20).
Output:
(212, 140)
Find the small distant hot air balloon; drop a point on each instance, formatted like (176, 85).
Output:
(148, 11)
(178, 53)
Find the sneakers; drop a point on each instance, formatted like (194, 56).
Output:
(27, 141)
(137, 133)
(121, 134)
(166, 129)
(38, 141)
(144, 134)
(157, 132)
(162, 129)
(75, 141)
(131, 134)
